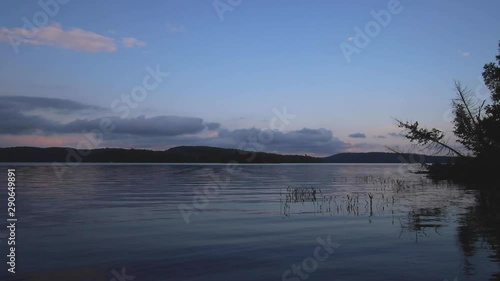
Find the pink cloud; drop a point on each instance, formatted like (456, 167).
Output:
(130, 42)
(54, 35)
(41, 140)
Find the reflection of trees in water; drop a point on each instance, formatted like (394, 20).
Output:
(421, 219)
(479, 224)
(480, 228)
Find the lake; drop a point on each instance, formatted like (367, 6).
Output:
(249, 222)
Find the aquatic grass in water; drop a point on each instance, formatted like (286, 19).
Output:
(380, 199)
(355, 203)
(301, 194)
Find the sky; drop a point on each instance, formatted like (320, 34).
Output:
(299, 77)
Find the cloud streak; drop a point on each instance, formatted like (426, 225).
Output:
(130, 42)
(464, 53)
(141, 126)
(54, 35)
(357, 136)
(26, 103)
(396, 135)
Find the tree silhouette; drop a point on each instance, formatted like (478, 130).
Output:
(476, 123)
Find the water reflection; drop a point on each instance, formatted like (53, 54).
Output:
(479, 229)
(260, 223)
(422, 219)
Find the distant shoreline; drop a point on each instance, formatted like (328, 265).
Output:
(200, 155)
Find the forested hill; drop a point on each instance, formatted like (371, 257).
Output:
(193, 154)
(181, 154)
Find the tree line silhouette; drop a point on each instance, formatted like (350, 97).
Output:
(196, 154)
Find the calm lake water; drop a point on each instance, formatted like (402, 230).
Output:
(252, 222)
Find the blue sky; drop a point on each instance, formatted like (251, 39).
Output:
(234, 64)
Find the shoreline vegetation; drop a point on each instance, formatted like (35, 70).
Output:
(476, 128)
(201, 154)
